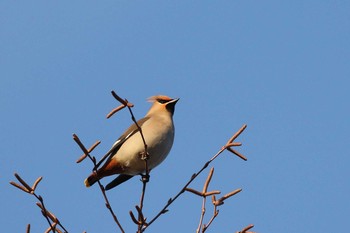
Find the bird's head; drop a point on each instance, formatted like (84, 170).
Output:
(162, 104)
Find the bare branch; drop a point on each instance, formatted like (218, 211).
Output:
(81, 145)
(237, 153)
(215, 214)
(234, 144)
(205, 193)
(144, 156)
(115, 110)
(194, 191)
(19, 187)
(89, 151)
(36, 183)
(28, 228)
(206, 184)
(237, 134)
(202, 215)
(211, 193)
(23, 182)
(133, 218)
(245, 230)
(121, 100)
(221, 200)
(171, 200)
(93, 160)
(31, 190)
(109, 207)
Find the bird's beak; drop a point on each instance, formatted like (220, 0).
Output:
(174, 100)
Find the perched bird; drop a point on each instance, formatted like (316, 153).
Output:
(124, 158)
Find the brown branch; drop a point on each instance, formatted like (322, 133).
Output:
(142, 220)
(215, 214)
(237, 153)
(221, 200)
(115, 110)
(207, 181)
(245, 230)
(50, 218)
(237, 134)
(202, 215)
(121, 100)
(28, 228)
(210, 193)
(88, 151)
(124, 103)
(145, 177)
(144, 156)
(26, 186)
(204, 191)
(133, 218)
(20, 187)
(203, 227)
(93, 160)
(171, 200)
(36, 183)
(108, 206)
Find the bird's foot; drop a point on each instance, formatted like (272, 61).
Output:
(144, 155)
(145, 178)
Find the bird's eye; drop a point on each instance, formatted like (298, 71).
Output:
(162, 101)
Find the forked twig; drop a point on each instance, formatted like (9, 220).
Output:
(51, 219)
(204, 195)
(215, 214)
(229, 144)
(203, 227)
(141, 221)
(93, 160)
(145, 178)
(144, 157)
(124, 103)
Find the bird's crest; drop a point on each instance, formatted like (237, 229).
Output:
(159, 97)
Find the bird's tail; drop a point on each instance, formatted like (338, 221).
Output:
(92, 179)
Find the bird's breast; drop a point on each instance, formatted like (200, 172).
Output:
(159, 137)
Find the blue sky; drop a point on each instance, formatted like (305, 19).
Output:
(281, 67)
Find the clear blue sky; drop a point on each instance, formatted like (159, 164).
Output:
(282, 67)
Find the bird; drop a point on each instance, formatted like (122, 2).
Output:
(124, 157)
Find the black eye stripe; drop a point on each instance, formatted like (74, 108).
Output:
(162, 101)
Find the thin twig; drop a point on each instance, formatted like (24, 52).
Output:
(144, 156)
(202, 215)
(145, 178)
(204, 191)
(89, 151)
(221, 200)
(215, 214)
(193, 177)
(141, 219)
(93, 160)
(245, 230)
(50, 218)
(109, 207)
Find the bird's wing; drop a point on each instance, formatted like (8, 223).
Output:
(127, 134)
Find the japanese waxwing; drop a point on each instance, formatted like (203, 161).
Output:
(124, 158)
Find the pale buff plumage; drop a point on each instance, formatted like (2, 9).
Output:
(124, 158)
